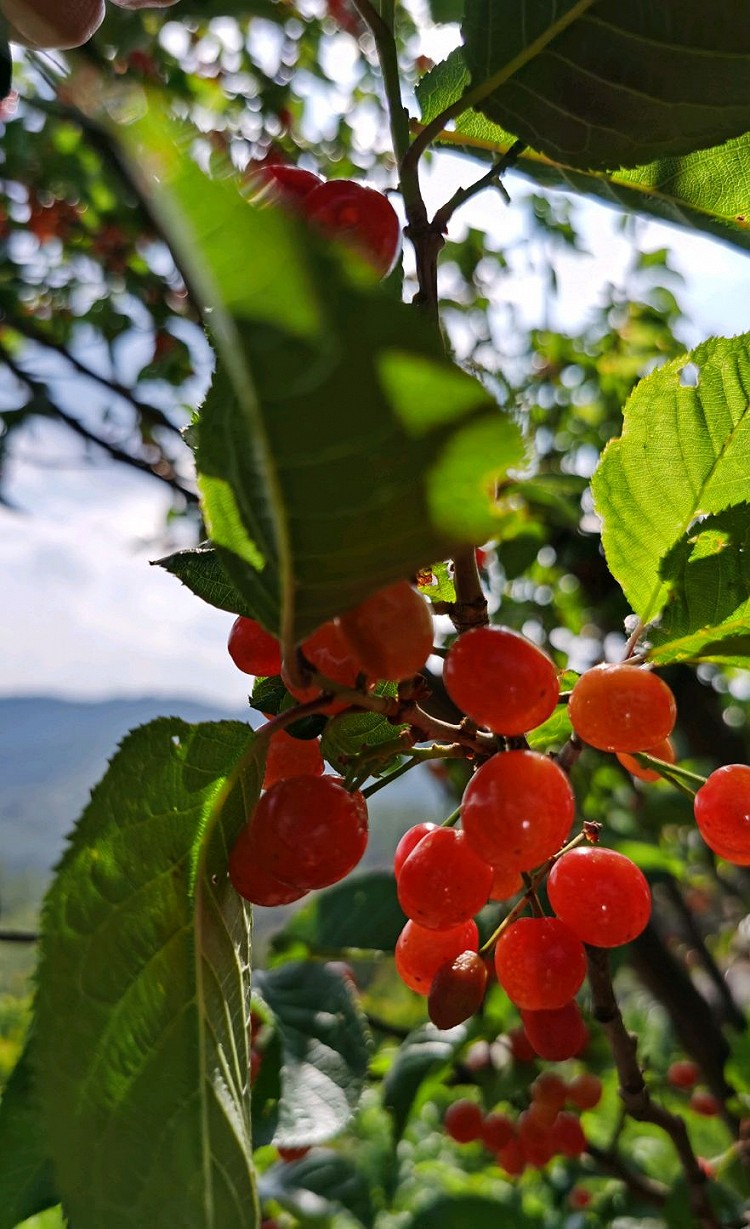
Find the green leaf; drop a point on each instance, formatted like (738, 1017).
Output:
(311, 507)
(143, 1093)
(361, 913)
(446, 10)
(26, 1178)
(427, 1050)
(682, 455)
(460, 1211)
(440, 587)
(602, 84)
(348, 734)
(324, 1053)
(335, 1182)
(200, 570)
(707, 617)
(554, 732)
(708, 190)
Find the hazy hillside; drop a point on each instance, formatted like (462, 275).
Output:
(53, 751)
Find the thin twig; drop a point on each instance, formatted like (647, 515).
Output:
(490, 180)
(19, 936)
(470, 607)
(639, 1185)
(633, 1091)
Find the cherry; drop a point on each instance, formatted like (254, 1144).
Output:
(363, 216)
(252, 880)
(390, 633)
(722, 813)
(517, 809)
(497, 1131)
(457, 990)
(579, 1198)
(463, 1121)
(501, 680)
(662, 751)
(288, 184)
(521, 1048)
(443, 882)
(408, 841)
(535, 1138)
(505, 883)
(310, 832)
(683, 1074)
(621, 708)
(327, 650)
(512, 1158)
(291, 757)
(47, 23)
(421, 952)
(539, 963)
(585, 1091)
(252, 649)
(602, 896)
(556, 1034)
(705, 1103)
(567, 1135)
(550, 1091)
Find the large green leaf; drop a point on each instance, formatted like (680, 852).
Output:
(425, 1052)
(598, 83)
(708, 190)
(338, 448)
(682, 455)
(462, 1210)
(324, 1053)
(26, 1179)
(319, 1186)
(707, 617)
(140, 1045)
(361, 913)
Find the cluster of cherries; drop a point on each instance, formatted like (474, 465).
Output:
(309, 830)
(339, 208)
(546, 1128)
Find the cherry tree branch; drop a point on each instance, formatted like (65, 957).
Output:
(633, 1090)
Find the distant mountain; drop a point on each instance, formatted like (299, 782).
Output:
(52, 752)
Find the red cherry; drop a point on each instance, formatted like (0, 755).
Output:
(535, 1138)
(557, 1034)
(310, 832)
(457, 990)
(408, 841)
(567, 1135)
(705, 1103)
(585, 1091)
(662, 751)
(505, 883)
(621, 708)
(549, 1090)
(683, 1074)
(601, 895)
(512, 1158)
(463, 1121)
(328, 651)
(497, 1131)
(539, 963)
(252, 649)
(291, 1154)
(517, 809)
(579, 1198)
(390, 633)
(47, 23)
(722, 813)
(362, 216)
(421, 952)
(291, 757)
(501, 680)
(252, 880)
(521, 1048)
(287, 184)
(442, 882)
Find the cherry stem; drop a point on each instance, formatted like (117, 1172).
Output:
(452, 819)
(531, 883)
(682, 778)
(470, 607)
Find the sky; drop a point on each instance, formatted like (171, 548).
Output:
(85, 616)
